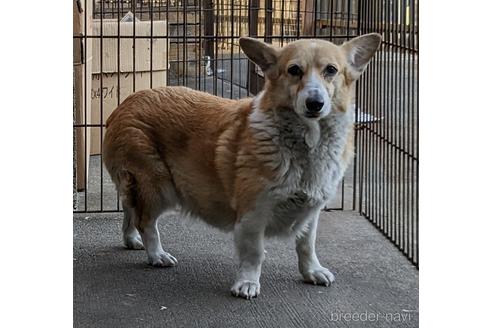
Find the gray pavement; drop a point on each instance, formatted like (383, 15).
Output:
(376, 286)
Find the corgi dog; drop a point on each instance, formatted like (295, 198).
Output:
(260, 167)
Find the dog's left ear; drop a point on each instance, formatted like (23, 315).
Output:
(261, 53)
(359, 52)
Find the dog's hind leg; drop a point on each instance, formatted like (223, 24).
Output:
(131, 237)
(147, 226)
(150, 203)
(126, 185)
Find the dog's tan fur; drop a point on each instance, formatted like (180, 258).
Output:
(181, 146)
(197, 142)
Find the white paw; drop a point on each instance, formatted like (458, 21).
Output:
(133, 242)
(246, 289)
(162, 260)
(319, 276)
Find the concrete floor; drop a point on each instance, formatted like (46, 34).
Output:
(375, 286)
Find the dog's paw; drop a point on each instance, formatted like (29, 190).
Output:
(162, 260)
(133, 242)
(319, 276)
(246, 289)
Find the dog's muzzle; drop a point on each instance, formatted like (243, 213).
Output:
(313, 101)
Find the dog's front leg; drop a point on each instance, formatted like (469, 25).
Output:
(249, 240)
(312, 271)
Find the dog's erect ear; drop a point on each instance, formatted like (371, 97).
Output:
(262, 54)
(359, 52)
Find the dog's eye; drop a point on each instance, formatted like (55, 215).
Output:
(295, 70)
(330, 70)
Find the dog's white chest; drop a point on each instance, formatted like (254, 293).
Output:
(304, 192)
(308, 173)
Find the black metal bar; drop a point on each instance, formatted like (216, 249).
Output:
(416, 259)
(331, 20)
(268, 21)
(253, 7)
(387, 124)
(282, 23)
(366, 142)
(410, 165)
(393, 123)
(374, 110)
(406, 113)
(359, 103)
(298, 27)
(356, 132)
(86, 162)
(315, 19)
(167, 42)
(370, 110)
(101, 112)
(239, 52)
(134, 44)
(118, 83)
(401, 218)
(349, 9)
(232, 49)
(216, 51)
(151, 43)
(200, 40)
(380, 110)
(196, 44)
(185, 43)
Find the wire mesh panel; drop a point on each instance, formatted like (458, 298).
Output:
(128, 45)
(387, 134)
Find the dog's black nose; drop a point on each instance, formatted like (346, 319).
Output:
(314, 104)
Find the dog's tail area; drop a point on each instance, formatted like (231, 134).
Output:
(126, 186)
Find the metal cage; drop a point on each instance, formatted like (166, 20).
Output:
(121, 46)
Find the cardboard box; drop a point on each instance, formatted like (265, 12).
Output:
(82, 68)
(142, 46)
(107, 83)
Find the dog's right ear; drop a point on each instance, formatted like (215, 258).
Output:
(261, 53)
